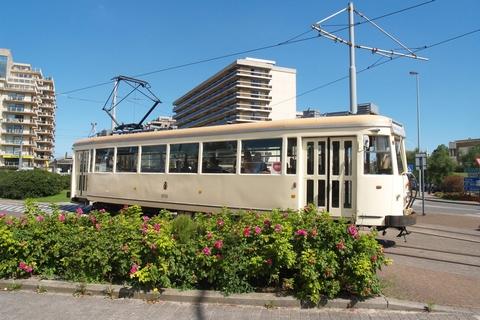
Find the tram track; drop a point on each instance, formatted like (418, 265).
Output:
(423, 257)
(445, 230)
(427, 246)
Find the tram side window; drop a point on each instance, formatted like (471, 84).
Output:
(377, 156)
(219, 157)
(153, 158)
(292, 155)
(184, 157)
(104, 160)
(127, 158)
(262, 156)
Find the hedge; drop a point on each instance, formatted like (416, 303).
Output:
(31, 184)
(303, 253)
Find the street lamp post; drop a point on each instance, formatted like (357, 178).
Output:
(422, 164)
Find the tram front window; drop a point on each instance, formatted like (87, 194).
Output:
(399, 152)
(377, 156)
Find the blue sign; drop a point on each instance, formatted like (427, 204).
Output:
(410, 168)
(471, 184)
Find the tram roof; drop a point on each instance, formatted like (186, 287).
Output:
(352, 121)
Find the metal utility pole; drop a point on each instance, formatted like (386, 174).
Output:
(353, 69)
(421, 172)
(352, 46)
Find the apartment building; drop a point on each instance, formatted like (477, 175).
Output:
(27, 121)
(248, 90)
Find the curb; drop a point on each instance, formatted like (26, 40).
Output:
(468, 203)
(268, 300)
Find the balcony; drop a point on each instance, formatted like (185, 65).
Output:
(19, 111)
(45, 142)
(45, 132)
(19, 88)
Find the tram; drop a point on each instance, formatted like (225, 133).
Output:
(352, 166)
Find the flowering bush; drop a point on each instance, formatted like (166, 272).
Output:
(305, 252)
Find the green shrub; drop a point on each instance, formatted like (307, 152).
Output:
(452, 184)
(305, 252)
(29, 184)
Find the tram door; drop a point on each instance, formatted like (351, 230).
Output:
(329, 166)
(82, 171)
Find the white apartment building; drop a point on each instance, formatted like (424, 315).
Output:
(27, 121)
(248, 90)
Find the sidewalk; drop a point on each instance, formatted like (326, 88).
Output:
(38, 306)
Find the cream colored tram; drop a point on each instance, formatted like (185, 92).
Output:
(352, 166)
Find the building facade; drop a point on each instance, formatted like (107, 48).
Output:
(27, 106)
(248, 90)
(458, 148)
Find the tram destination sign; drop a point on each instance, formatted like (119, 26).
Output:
(471, 184)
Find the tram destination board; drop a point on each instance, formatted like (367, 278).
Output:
(471, 184)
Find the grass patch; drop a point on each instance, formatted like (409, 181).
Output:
(60, 197)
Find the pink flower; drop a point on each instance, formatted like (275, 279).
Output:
(79, 211)
(246, 231)
(61, 217)
(209, 235)
(2, 215)
(218, 244)
(39, 218)
(134, 268)
(269, 261)
(156, 227)
(258, 230)
(267, 223)
(220, 223)
(144, 228)
(374, 258)
(98, 226)
(352, 230)
(102, 211)
(25, 267)
(146, 218)
(93, 219)
(206, 251)
(301, 233)
(340, 246)
(278, 228)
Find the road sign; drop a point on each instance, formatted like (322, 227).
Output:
(471, 184)
(421, 160)
(410, 168)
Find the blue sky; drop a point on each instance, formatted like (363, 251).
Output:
(81, 43)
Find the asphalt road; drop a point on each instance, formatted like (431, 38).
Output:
(446, 208)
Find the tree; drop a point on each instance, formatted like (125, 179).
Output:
(440, 164)
(468, 159)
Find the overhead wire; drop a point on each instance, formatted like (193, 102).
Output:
(289, 41)
(376, 64)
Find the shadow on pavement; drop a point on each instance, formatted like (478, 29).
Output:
(387, 243)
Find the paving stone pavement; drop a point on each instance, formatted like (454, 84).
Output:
(29, 305)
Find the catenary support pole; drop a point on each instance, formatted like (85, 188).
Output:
(353, 70)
